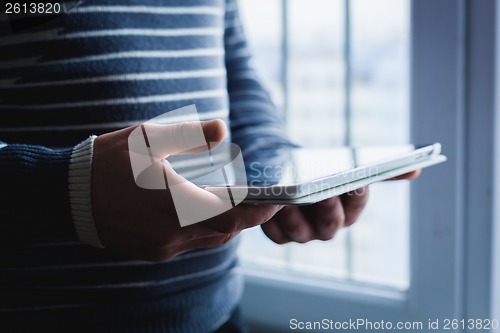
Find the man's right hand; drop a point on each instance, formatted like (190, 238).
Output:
(143, 223)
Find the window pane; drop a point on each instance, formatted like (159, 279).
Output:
(380, 69)
(265, 42)
(316, 72)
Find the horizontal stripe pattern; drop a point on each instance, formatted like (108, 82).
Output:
(188, 96)
(103, 66)
(122, 77)
(56, 35)
(193, 53)
(100, 68)
(145, 284)
(155, 10)
(218, 114)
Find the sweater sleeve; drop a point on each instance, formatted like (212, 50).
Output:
(79, 185)
(45, 194)
(256, 125)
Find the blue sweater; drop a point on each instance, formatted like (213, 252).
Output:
(102, 66)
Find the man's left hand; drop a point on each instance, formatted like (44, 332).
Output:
(322, 220)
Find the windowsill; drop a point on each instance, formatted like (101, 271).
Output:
(272, 299)
(323, 287)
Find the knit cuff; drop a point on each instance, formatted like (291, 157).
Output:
(80, 181)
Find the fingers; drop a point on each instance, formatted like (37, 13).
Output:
(216, 231)
(242, 217)
(319, 221)
(354, 203)
(330, 218)
(409, 175)
(302, 224)
(251, 216)
(211, 233)
(295, 225)
(273, 231)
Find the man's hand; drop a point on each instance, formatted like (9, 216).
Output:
(143, 223)
(322, 220)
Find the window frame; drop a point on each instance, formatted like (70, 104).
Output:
(454, 268)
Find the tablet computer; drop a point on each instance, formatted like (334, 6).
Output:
(297, 176)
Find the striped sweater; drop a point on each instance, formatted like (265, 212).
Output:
(102, 66)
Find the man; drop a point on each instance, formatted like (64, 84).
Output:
(83, 248)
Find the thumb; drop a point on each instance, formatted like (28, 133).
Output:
(160, 141)
(184, 138)
(149, 144)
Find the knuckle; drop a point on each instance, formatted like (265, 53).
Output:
(350, 221)
(328, 224)
(327, 236)
(332, 224)
(328, 228)
(340, 219)
(293, 229)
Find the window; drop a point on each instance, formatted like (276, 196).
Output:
(339, 71)
(445, 90)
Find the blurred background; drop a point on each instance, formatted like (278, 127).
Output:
(340, 75)
(367, 72)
